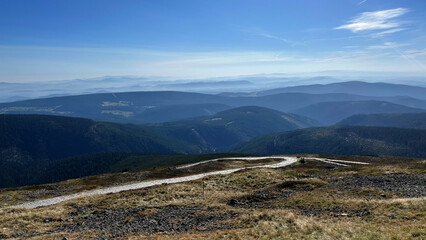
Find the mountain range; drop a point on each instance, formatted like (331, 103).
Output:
(165, 106)
(343, 140)
(354, 87)
(329, 113)
(28, 142)
(104, 132)
(400, 120)
(224, 129)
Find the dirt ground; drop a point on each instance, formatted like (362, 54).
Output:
(313, 200)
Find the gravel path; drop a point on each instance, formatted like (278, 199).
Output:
(46, 202)
(229, 158)
(343, 163)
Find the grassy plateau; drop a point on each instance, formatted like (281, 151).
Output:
(307, 200)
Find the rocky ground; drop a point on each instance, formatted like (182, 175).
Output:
(404, 185)
(14, 196)
(313, 200)
(169, 219)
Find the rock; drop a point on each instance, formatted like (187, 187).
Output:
(172, 219)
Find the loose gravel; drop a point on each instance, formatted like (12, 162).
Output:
(407, 185)
(47, 202)
(169, 220)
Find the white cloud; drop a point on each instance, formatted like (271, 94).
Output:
(386, 32)
(377, 20)
(363, 1)
(415, 53)
(291, 42)
(387, 45)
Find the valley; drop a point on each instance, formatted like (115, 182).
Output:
(221, 120)
(165, 106)
(181, 165)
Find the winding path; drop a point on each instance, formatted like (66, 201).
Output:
(50, 201)
(286, 161)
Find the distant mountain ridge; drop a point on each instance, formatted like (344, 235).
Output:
(378, 89)
(95, 133)
(45, 137)
(400, 120)
(329, 113)
(342, 140)
(153, 107)
(29, 143)
(171, 113)
(226, 128)
(130, 107)
(34, 144)
(226, 86)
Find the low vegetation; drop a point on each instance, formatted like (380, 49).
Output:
(311, 200)
(151, 165)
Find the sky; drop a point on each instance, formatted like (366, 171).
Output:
(45, 40)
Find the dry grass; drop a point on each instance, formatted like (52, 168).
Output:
(285, 224)
(36, 221)
(389, 218)
(13, 196)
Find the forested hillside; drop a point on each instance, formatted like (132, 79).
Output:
(165, 106)
(329, 113)
(30, 141)
(218, 132)
(341, 140)
(401, 120)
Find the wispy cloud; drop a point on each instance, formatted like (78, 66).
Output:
(291, 42)
(378, 20)
(386, 32)
(52, 63)
(362, 2)
(387, 45)
(415, 53)
(349, 47)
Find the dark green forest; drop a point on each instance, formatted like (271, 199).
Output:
(341, 141)
(402, 120)
(37, 149)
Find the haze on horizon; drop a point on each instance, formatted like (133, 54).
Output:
(55, 40)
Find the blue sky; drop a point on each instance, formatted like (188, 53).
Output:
(43, 40)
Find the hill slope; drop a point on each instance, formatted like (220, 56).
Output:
(401, 120)
(27, 141)
(171, 113)
(48, 138)
(41, 148)
(354, 87)
(329, 113)
(219, 131)
(129, 107)
(310, 200)
(342, 141)
(155, 107)
(53, 137)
